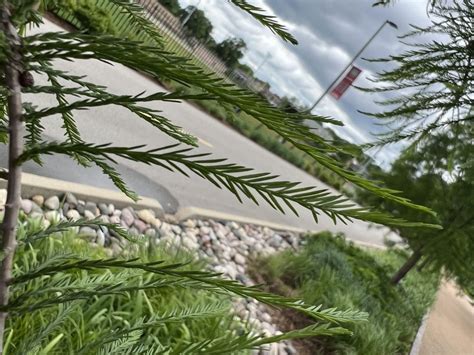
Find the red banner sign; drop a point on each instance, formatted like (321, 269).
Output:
(344, 84)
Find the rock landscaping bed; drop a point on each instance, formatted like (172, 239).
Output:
(228, 246)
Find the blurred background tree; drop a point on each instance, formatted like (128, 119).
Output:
(172, 5)
(430, 111)
(231, 50)
(198, 25)
(440, 175)
(432, 85)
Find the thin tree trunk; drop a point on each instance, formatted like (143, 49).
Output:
(15, 149)
(409, 264)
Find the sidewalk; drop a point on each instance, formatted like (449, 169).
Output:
(450, 326)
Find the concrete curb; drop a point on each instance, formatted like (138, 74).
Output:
(416, 346)
(40, 185)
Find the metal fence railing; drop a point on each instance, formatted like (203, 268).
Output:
(177, 39)
(180, 41)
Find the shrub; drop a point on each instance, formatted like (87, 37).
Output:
(331, 271)
(91, 16)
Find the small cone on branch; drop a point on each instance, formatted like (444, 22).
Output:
(26, 79)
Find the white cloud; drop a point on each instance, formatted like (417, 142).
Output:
(328, 35)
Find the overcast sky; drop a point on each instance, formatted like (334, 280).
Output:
(329, 32)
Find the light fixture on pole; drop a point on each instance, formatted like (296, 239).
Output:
(387, 22)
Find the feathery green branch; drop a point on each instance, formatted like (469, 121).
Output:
(150, 60)
(65, 225)
(237, 179)
(266, 20)
(433, 81)
(211, 281)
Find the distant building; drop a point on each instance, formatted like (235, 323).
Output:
(258, 86)
(274, 99)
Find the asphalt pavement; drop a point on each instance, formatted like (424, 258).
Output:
(118, 126)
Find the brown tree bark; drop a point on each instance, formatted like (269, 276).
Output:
(409, 264)
(12, 72)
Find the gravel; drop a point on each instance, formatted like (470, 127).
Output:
(104, 209)
(127, 217)
(100, 238)
(52, 203)
(70, 199)
(27, 206)
(92, 207)
(147, 216)
(38, 199)
(52, 216)
(87, 232)
(227, 246)
(89, 215)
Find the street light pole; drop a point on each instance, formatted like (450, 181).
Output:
(387, 22)
(265, 59)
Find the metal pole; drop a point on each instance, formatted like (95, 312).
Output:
(352, 61)
(265, 59)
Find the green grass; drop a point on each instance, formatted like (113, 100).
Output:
(80, 323)
(332, 272)
(69, 297)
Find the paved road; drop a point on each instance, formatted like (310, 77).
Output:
(115, 124)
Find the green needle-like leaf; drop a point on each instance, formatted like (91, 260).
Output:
(233, 177)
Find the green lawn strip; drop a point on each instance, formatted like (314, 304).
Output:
(332, 272)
